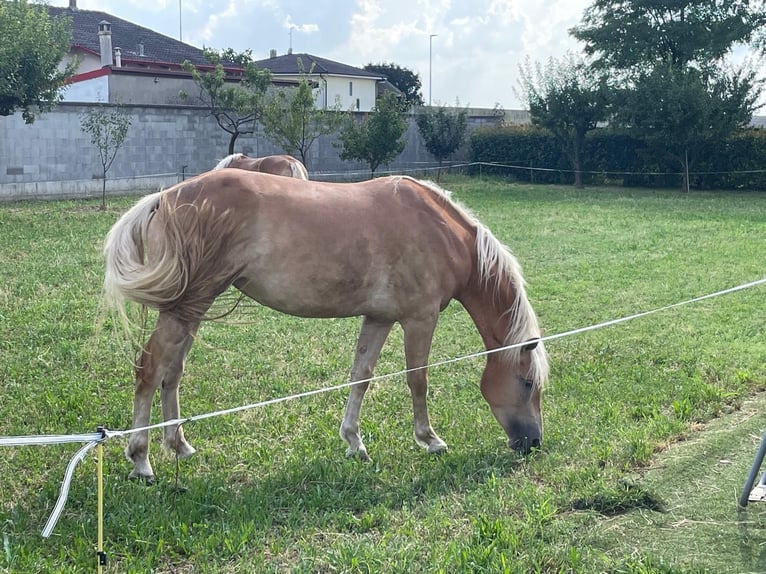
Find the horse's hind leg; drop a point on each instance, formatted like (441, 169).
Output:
(161, 364)
(371, 338)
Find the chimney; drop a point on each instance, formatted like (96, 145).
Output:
(272, 53)
(117, 58)
(141, 48)
(73, 4)
(289, 51)
(105, 42)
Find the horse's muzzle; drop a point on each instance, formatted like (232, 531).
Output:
(524, 436)
(524, 445)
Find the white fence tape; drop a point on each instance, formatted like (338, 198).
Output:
(64, 491)
(94, 438)
(44, 439)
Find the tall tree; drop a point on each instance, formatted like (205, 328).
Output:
(378, 138)
(235, 105)
(566, 98)
(406, 81)
(669, 56)
(676, 110)
(107, 130)
(32, 45)
(443, 130)
(292, 120)
(636, 34)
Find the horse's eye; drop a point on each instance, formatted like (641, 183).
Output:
(528, 383)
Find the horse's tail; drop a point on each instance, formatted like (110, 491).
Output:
(156, 281)
(226, 162)
(298, 170)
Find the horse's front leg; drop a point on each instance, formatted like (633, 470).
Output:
(161, 364)
(417, 346)
(371, 338)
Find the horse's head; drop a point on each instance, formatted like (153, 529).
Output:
(512, 385)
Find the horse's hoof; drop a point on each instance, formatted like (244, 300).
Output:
(437, 449)
(185, 451)
(148, 480)
(361, 454)
(181, 450)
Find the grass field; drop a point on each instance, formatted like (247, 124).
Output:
(269, 489)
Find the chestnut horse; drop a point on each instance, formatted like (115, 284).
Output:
(389, 250)
(285, 165)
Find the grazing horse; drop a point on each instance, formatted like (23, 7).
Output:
(285, 165)
(389, 250)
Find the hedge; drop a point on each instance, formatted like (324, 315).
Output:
(527, 153)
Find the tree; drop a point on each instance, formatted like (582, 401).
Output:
(108, 130)
(676, 110)
(377, 139)
(32, 47)
(406, 81)
(568, 99)
(669, 56)
(443, 130)
(292, 120)
(236, 106)
(637, 34)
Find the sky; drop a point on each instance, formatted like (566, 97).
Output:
(473, 58)
(463, 51)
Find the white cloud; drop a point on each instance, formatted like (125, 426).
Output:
(305, 28)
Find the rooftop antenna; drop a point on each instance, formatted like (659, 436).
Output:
(180, 26)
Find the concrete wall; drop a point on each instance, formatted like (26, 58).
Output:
(54, 157)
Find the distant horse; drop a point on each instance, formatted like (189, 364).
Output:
(390, 249)
(285, 165)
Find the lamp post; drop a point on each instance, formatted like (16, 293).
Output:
(430, 54)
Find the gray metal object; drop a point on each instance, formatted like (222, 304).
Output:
(755, 493)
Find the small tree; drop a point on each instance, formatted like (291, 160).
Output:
(32, 47)
(443, 130)
(292, 120)
(236, 106)
(568, 99)
(108, 130)
(377, 139)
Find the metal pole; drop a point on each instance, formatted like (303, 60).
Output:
(430, 59)
(180, 27)
(745, 495)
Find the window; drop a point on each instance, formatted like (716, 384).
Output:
(351, 88)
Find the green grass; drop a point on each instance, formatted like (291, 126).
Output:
(270, 490)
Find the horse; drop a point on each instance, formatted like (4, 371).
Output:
(285, 165)
(389, 250)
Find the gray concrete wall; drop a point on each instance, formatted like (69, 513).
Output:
(53, 157)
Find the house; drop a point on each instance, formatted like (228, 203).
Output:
(353, 88)
(123, 63)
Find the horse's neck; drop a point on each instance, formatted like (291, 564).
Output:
(489, 308)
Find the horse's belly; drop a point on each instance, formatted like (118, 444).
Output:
(323, 297)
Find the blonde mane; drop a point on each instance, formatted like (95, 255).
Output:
(499, 270)
(226, 162)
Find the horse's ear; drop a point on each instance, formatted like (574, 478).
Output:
(531, 344)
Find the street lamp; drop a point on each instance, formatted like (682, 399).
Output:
(430, 54)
